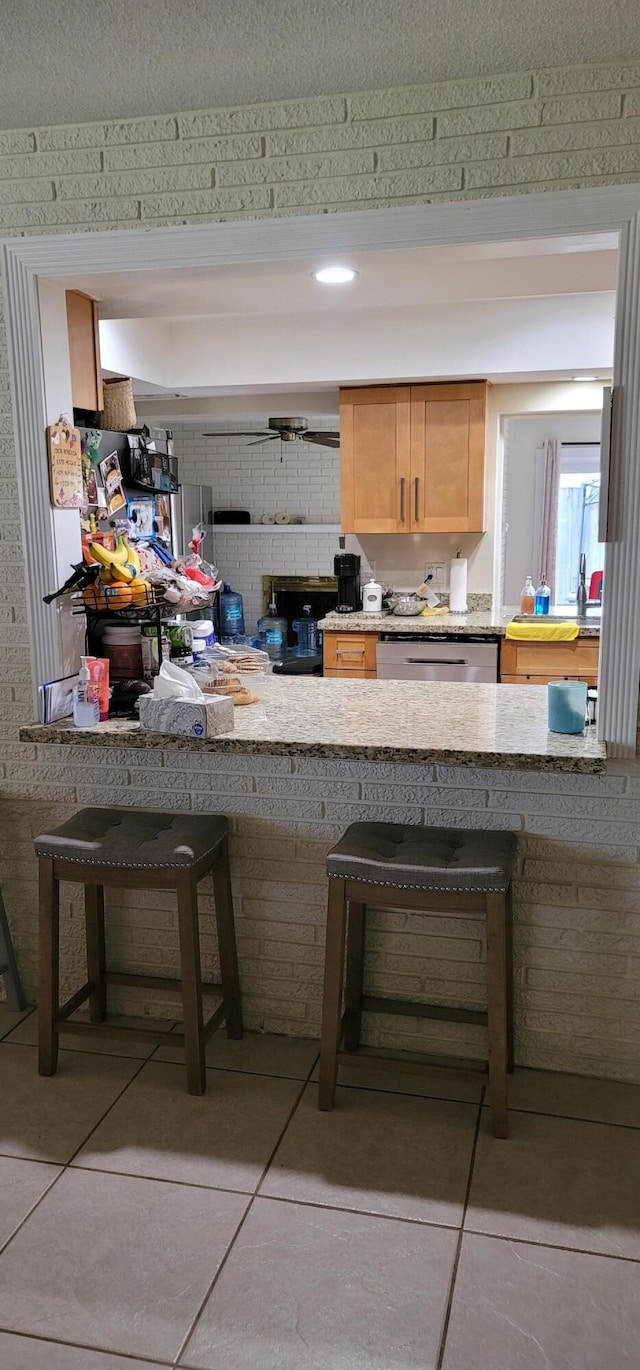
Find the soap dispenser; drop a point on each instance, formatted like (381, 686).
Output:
(543, 597)
(86, 699)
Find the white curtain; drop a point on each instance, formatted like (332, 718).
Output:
(548, 482)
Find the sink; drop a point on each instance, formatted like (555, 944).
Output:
(591, 621)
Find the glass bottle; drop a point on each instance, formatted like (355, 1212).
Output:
(543, 597)
(528, 597)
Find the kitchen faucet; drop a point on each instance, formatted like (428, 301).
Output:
(581, 596)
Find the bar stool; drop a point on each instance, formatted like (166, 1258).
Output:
(137, 849)
(451, 870)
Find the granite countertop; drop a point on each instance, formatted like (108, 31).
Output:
(480, 622)
(375, 720)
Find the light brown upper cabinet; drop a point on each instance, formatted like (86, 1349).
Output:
(375, 453)
(413, 458)
(447, 457)
(84, 350)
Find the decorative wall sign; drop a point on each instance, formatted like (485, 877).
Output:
(65, 465)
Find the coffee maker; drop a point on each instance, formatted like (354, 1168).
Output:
(346, 566)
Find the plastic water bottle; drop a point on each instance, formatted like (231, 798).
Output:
(272, 632)
(231, 614)
(306, 631)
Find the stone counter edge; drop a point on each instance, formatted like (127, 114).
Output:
(135, 737)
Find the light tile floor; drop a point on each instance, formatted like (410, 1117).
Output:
(140, 1227)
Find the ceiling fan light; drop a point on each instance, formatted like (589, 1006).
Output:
(335, 275)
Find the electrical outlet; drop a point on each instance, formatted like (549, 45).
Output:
(436, 570)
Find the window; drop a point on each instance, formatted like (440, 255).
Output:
(577, 525)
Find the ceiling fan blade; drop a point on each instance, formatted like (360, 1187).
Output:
(268, 437)
(322, 439)
(240, 433)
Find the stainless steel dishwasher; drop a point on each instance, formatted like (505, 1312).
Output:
(441, 656)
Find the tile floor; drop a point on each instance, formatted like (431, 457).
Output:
(140, 1227)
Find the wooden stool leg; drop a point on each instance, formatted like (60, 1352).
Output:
(187, 890)
(332, 998)
(96, 955)
(9, 965)
(509, 952)
(227, 951)
(497, 1011)
(49, 963)
(354, 979)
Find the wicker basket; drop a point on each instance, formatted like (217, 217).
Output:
(119, 408)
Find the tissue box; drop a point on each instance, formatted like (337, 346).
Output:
(187, 717)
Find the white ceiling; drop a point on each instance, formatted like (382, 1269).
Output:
(75, 61)
(536, 309)
(429, 275)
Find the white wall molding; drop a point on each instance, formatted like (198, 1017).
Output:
(608, 208)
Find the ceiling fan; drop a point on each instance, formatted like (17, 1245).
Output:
(288, 430)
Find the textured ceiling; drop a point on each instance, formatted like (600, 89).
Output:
(73, 60)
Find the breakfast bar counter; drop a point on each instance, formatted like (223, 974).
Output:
(444, 723)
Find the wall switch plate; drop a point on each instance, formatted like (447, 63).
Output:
(435, 569)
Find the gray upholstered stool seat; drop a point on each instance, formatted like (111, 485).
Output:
(133, 838)
(399, 866)
(411, 857)
(137, 849)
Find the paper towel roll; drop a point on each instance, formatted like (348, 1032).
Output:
(458, 585)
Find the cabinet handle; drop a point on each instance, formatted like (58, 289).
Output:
(415, 500)
(402, 484)
(355, 651)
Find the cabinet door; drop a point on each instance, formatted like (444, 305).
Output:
(447, 458)
(84, 351)
(375, 459)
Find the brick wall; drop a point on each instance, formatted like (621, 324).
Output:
(578, 898)
(577, 894)
(306, 482)
(529, 131)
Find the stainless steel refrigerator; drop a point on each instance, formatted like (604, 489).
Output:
(190, 505)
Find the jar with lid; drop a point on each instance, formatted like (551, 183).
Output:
(123, 647)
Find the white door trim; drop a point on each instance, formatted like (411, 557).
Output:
(602, 209)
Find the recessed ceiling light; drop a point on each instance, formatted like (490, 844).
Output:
(584, 378)
(335, 275)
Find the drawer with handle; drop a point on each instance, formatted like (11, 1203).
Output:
(350, 653)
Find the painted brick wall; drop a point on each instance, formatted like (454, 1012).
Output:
(528, 131)
(306, 482)
(577, 895)
(578, 899)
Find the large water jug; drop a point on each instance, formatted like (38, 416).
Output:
(231, 614)
(306, 631)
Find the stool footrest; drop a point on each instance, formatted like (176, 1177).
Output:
(209, 1028)
(80, 997)
(154, 982)
(116, 1033)
(453, 1067)
(407, 1008)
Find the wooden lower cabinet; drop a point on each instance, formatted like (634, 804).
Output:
(536, 663)
(350, 655)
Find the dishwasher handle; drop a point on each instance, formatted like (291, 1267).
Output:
(436, 661)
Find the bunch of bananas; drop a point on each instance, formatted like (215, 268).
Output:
(119, 582)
